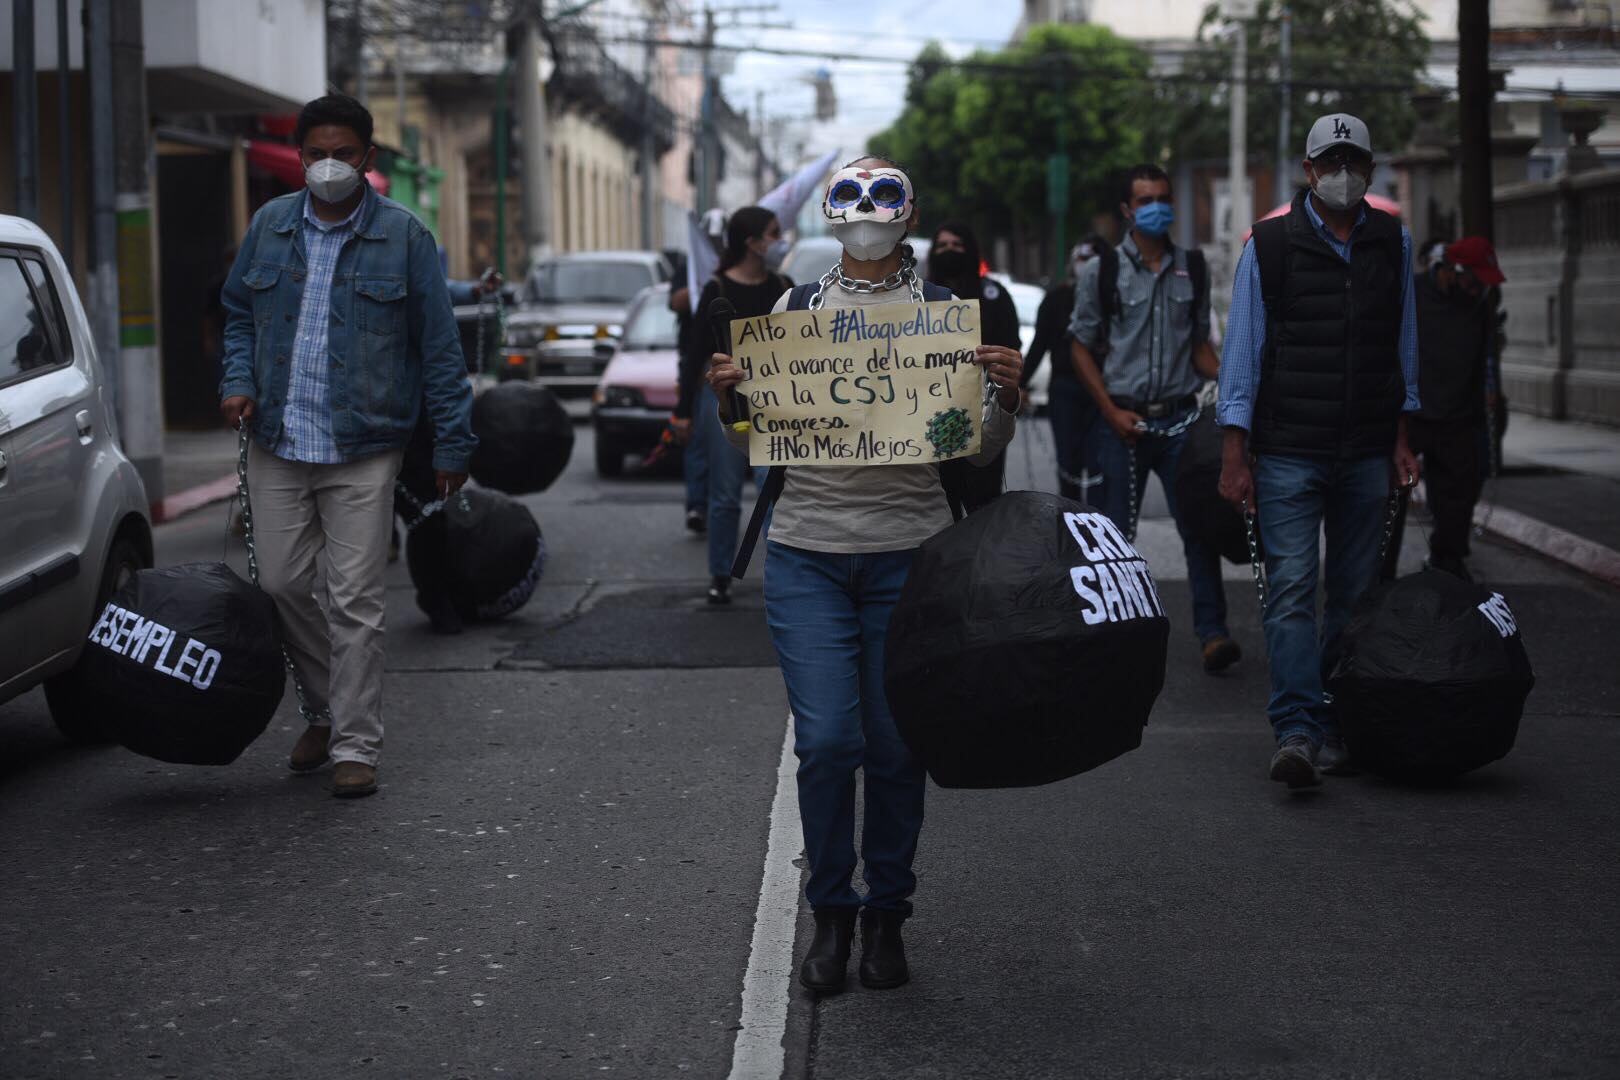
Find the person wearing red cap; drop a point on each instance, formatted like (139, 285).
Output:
(1456, 328)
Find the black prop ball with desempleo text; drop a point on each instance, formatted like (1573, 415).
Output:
(184, 664)
(1028, 645)
(525, 438)
(1431, 678)
(488, 546)
(1207, 517)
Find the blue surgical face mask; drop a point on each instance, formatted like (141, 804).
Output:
(1154, 219)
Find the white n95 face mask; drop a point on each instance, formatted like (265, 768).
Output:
(1340, 190)
(331, 180)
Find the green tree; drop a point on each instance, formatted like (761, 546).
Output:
(1363, 57)
(977, 133)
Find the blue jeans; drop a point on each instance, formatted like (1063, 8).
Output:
(728, 470)
(1296, 497)
(829, 615)
(1072, 412)
(695, 469)
(1158, 454)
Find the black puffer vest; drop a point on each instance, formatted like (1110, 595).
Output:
(1330, 375)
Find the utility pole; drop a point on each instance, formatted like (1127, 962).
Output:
(141, 386)
(1238, 11)
(102, 302)
(64, 134)
(25, 108)
(708, 131)
(1474, 98)
(1283, 186)
(531, 95)
(649, 186)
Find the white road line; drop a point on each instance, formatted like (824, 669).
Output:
(759, 1054)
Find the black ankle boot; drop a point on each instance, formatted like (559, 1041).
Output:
(826, 965)
(883, 955)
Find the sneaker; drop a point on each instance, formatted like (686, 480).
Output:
(720, 591)
(1220, 653)
(1334, 758)
(1294, 764)
(696, 522)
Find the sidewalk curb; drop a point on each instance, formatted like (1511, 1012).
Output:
(1559, 545)
(194, 498)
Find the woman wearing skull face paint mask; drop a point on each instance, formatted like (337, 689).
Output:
(745, 277)
(954, 260)
(841, 544)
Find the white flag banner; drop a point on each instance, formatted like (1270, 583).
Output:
(701, 259)
(786, 199)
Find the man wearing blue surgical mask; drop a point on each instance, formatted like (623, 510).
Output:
(1140, 346)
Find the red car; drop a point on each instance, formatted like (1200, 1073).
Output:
(638, 391)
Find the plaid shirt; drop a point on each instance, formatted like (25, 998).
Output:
(307, 420)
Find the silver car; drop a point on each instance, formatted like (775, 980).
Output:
(570, 314)
(73, 512)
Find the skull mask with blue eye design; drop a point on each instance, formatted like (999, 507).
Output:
(883, 195)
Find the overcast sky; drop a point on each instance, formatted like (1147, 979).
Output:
(869, 94)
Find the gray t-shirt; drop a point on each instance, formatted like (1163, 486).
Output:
(868, 508)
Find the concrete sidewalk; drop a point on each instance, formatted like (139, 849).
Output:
(1558, 493)
(199, 468)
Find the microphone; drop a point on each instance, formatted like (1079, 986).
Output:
(721, 312)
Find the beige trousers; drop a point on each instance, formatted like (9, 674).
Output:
(299, 511)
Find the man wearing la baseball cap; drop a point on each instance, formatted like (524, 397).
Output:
(1318, 374)
(1456, 335)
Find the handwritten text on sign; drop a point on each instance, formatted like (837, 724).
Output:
(893, 384)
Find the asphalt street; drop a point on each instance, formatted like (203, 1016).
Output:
(561, 874)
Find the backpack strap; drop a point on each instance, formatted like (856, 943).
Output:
(769, 491)
(953, 478)
(1198, 270)
(799, 297)
(933, 292)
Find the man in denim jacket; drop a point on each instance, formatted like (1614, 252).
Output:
(338, 330)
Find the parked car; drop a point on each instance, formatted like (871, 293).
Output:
(1027, 299)
(570, 314)
(73, 512)
(639, 389)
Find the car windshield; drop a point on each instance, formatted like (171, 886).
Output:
(1027, 299)
(587, 281)
(652, 325)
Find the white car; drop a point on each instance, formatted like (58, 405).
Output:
(73, 512)
(1027, 299)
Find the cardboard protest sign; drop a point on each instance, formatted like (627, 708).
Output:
(893, 384)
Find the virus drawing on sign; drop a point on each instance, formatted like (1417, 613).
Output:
(948, 432)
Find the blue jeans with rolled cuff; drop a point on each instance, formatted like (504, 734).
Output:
(1297, 498)
(1158, 454)
(829, 617)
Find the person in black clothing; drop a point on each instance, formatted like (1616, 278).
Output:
(753, 289)
(954, 261)
(1070, 408)
(1456, 328)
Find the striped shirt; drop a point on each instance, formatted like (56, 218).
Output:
(1246, 326)
(307, 418)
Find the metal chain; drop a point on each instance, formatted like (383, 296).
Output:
(1254, 559)
(319, 719)
(905, 276)
(1170, 432)
(1392, 511)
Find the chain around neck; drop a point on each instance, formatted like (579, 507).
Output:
(903, 277)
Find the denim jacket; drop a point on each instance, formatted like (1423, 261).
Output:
(392, 339)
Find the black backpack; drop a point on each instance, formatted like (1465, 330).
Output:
(1108, 293)
(952, 474)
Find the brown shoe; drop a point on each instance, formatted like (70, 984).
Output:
(352, 779)
(310, 751)
(1220, 653)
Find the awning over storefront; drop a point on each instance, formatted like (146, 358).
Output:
(282, 162)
